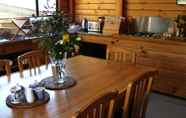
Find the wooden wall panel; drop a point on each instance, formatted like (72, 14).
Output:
(64, 5)
(154, 8)
(67, 6)
(92, 9)
(95, 1)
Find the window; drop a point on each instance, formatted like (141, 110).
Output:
(46, 7)
(181, 2)
(17, 8)
(26, 8)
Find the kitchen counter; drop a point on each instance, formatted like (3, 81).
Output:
(11, 46)
(8, 47)
(99, 38)
(96, 34)
(172, 40)
(111, 38)
(3, 41)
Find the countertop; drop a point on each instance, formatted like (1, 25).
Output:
(172, 40)
(96, 34)
(114, 37)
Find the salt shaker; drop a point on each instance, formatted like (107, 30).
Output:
(40, 93)
(29, 95)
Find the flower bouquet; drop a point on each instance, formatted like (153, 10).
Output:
(62, 41)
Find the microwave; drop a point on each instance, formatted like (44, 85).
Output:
(93, 26)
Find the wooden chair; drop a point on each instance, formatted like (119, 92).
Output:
(119, 54)
(102, 107)
(137, 94)
(34, 59)
(5, 65)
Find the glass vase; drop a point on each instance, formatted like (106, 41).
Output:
(58, 70)
(60, 79)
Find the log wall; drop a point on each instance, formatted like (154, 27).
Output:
(64, 5)
(154, 8)
(92, 9)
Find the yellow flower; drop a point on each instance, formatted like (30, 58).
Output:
(66, 38)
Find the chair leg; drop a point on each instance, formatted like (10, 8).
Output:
(8, 71)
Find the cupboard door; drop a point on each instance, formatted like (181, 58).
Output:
(146, 59)
(172, 73)
(168, 57)
(168, 82)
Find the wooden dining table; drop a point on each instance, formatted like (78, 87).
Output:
(94, 77)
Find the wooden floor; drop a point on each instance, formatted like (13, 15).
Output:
(161, 106)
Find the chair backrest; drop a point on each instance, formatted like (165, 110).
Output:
(33, 59)
(119, 54)
(5, 65)
(102, 107)
(137, 95)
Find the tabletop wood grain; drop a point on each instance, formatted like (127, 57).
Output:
(94, 77)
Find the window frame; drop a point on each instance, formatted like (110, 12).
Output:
(37, 8)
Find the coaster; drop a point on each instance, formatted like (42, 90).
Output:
(52, 84)
(10, 103)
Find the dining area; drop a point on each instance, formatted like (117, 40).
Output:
(102, 88)
(92, 59)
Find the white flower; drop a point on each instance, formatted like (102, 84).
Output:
(76, 48)
(78, 38)
(60, 53)
(59, 42)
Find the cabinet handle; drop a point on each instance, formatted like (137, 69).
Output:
(174, 90)
(142, 50)
(112, 42)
